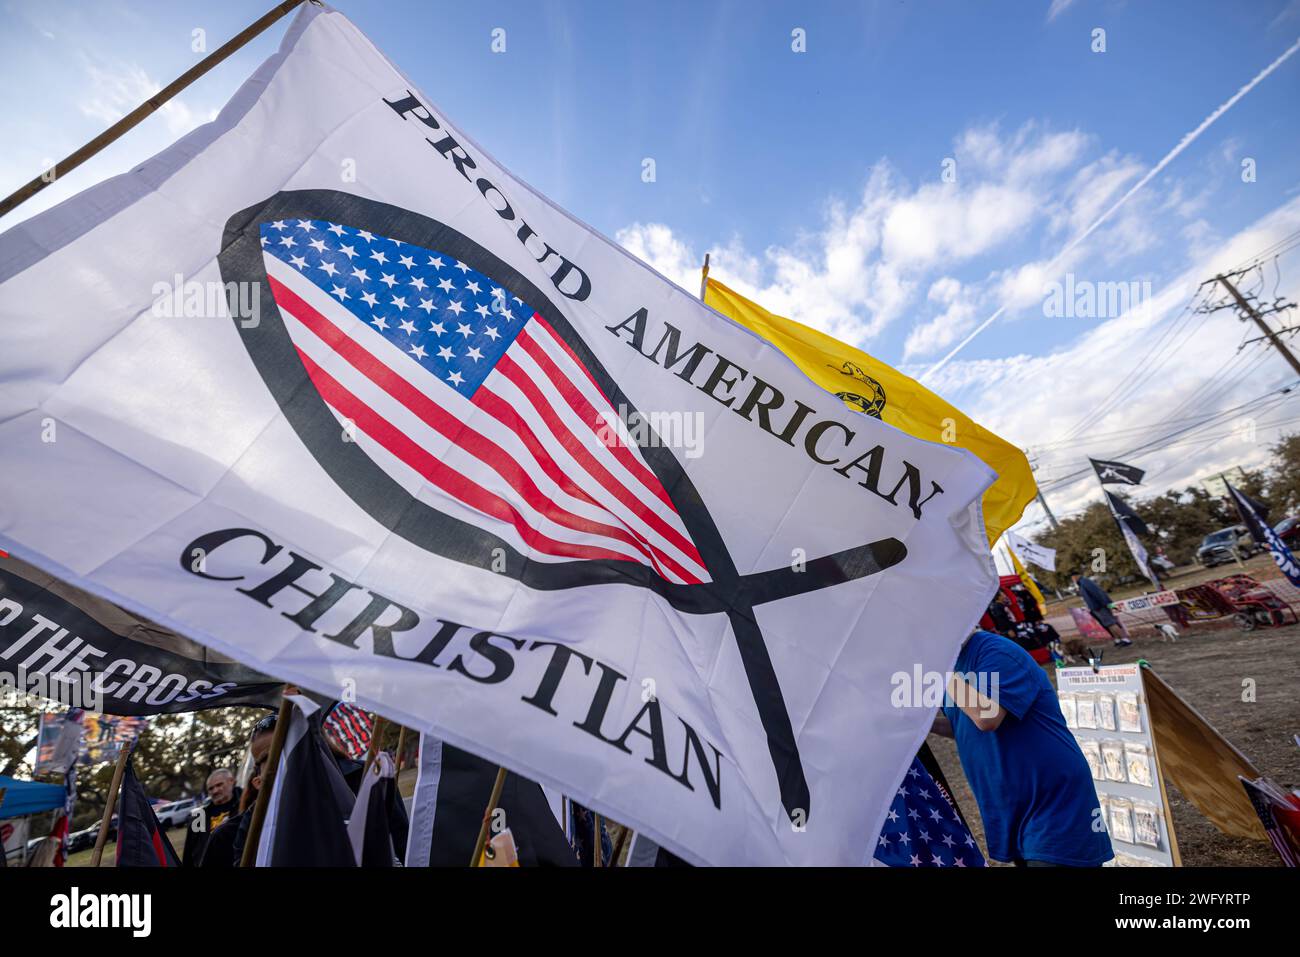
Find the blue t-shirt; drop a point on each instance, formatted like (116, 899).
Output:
(1029, 777)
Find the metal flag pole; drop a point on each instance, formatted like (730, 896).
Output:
(704, 277)
(151, 105)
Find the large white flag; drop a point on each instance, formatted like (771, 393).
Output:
(324, 387)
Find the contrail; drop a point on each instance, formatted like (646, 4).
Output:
(1151, 174)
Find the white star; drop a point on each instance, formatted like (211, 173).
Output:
(388, 279)
(925, 795)
(518, 300)
(916, 861)
(902, 791)
(340, 292)
(482, 310)
(366, 235)
(426, 305)
(913, 773)
(318, 245)
(455, 378)
(417, 351)
(435, 262)
(464, 330)
(379, 257)
(970, 841)
(407, 326)
(438, 327)
(472, 287)
(328, 268)
(445, 353)
(263, 240)
(893, 815)
(904, 838)
(947, 839)
(336, 229)
(305, 224)
(936, 816)
(406, 261)
(508, 314)
(457, 308)
(418, 283)
(474, 354)
(287, 241)
(362, 275)
(937, 860)
(379, 323)
(913, 813)
(492, 333)
(445, 285)
(960, 862)
(397, 242)
(279, 224)
(298, 261)
(884, 841)
(461, 266)
(369, 299)
(349, 251)
(399, 302)
(925, 836)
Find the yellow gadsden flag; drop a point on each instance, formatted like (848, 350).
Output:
(870, 386)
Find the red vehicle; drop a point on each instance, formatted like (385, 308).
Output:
(1249, 603)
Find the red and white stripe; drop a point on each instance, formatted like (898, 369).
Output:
(538, 456)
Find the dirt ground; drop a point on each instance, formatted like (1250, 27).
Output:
(1207, 668)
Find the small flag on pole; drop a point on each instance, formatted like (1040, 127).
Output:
(1117, 473)
(140, 838)
(1263, 533)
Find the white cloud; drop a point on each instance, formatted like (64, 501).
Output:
(115, 91)
(866, 265)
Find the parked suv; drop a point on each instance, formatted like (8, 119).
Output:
(1217, 547)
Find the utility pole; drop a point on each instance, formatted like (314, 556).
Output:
(1264, 327)
(1050, 517)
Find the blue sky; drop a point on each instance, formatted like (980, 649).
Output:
(814, 179)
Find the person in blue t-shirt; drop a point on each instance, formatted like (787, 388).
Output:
(1030, 780)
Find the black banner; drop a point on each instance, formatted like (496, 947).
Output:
(63, 644)
(1117, 473)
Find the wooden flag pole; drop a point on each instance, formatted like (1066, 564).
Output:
(372, 750)
(109, 803)
(704, 277)
(269, 771)
(401, 747)
(481, 842)
(132, 119)
(595, 854)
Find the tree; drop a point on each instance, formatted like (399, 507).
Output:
(1284, 477)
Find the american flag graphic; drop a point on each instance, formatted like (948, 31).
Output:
(349, 727)
(469, 398)
(923, 827)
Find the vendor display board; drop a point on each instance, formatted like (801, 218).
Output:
(1106, 711)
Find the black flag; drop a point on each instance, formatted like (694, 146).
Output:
(1123, 512)
(140, 838)
(450, 799)
(306, 821)
(1117, 473)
